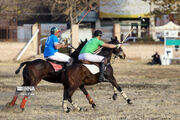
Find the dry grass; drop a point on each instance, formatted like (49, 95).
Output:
(154, 90)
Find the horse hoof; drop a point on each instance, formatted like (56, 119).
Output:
(81, 110)
(114, 96)
(93, 105)
(129, 101)
(22, 109)
(9, 104)
(67, 110)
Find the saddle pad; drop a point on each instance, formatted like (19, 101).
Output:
(56, 67)
(92, 68)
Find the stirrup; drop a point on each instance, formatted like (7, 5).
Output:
(103, 80)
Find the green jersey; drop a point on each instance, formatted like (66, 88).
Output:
(92, 45)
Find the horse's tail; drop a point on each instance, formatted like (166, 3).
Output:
(21, 65)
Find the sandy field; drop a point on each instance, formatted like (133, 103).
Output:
(154, 91)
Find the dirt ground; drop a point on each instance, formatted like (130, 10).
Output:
(154, 91)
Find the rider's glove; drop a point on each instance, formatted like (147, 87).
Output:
(69, 46)
(118, 45)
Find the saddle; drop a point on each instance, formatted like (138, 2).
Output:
(88, 62)
(56, 64)
(91, 66)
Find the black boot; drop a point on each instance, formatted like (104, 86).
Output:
(101, 76)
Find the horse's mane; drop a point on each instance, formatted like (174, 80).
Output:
(75, 54)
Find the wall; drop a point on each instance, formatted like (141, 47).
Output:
(9, 51)
(142, 51)
(24, 33)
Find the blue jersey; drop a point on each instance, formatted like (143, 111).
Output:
(50, 49)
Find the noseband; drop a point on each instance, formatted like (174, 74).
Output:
(116, 55)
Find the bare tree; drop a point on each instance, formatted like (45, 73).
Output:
(69, 9)
(165, 6)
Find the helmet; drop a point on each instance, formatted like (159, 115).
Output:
(97, 33)
(54, 30)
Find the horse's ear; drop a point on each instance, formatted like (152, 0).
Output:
(81, 41)
(116, 38)
(86, 40)
(113, 38)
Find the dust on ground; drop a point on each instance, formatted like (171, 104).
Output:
(154, 91)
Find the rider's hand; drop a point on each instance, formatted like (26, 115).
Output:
(118, 45)
(69, 45)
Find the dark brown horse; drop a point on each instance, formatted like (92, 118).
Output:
(77, 76)
(36, 70)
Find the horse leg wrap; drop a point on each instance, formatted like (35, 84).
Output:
(75, 106)
(115, 90)
(23, 102)
(65, 105)
(89, 99)
(14, 100)
(124, 95)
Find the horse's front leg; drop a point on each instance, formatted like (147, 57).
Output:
(112, 80)
(115, 93)
(117, 87)
(87, 96)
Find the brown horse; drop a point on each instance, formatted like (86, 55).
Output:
(36, 70)
(77, 76)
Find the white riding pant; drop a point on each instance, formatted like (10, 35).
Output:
(90, 57)
(60, 57)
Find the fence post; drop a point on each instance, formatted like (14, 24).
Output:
(117, 31)
(75, 35)
(35, 40)
(39, 42)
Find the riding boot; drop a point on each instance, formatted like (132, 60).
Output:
(101, 76)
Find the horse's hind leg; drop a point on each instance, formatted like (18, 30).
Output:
(13, 101)
(65, 100)
(87, 96)
(67, 97)
(24, 100)
(114, 83)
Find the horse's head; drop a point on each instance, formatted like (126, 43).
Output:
(81, 45)
(118, 51)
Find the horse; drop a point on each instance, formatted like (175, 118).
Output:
(77, 76)
(36, 70)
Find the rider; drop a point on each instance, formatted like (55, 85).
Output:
(52, 45)
(92, 45)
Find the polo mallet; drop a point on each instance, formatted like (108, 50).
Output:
(140, 18)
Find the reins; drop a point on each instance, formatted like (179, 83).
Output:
(115, 56)
(99, 50)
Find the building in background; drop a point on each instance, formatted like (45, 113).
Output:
(8, 28)
(126, 13)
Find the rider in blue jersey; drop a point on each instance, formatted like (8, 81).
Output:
(52, 45)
